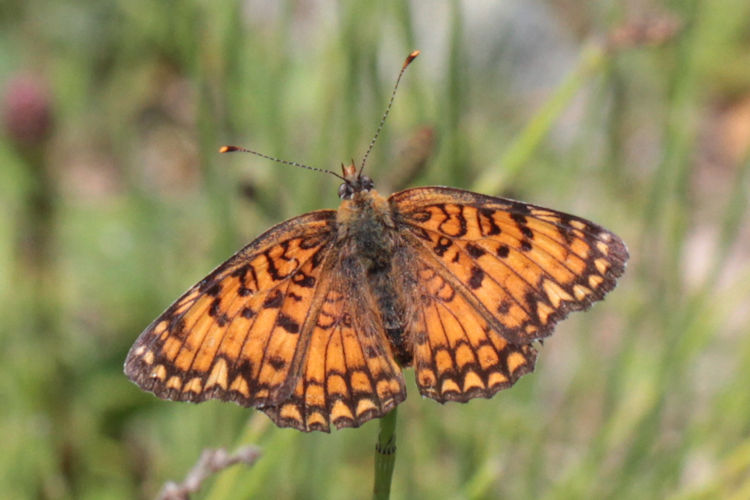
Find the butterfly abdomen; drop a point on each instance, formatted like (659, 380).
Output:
(392, 312)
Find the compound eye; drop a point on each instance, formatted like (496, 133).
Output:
(345, 191)
(367, 183)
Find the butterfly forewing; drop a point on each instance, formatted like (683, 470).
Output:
(234, 335)
(522, 267)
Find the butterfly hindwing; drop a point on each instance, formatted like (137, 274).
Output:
(522, 267)
(457, 355)
(233, 335)
(349, 374)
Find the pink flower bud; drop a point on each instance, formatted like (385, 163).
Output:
(26, 109)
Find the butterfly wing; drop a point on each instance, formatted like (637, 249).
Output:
(523, 267)
(280, 326)
(457, 355)
(236, 335)
(349, 375)
(494, 275)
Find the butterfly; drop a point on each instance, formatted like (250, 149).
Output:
(314, 321)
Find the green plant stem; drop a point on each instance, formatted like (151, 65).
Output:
(385, 457)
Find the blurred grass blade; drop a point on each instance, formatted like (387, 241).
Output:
(517, 154)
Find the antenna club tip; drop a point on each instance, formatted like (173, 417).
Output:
(228, 149)
(411, 57)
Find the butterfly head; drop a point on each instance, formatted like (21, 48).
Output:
(354, 182)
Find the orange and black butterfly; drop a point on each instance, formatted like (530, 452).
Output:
(313, 322)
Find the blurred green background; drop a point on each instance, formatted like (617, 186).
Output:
(113, 200)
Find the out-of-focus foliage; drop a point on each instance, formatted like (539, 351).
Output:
(113, 200)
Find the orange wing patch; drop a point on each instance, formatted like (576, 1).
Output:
(233, 336)
(457, 355)
(349, 374)
(522, 267)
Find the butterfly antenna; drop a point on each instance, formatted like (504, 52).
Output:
(232, 149)
(408, 61)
